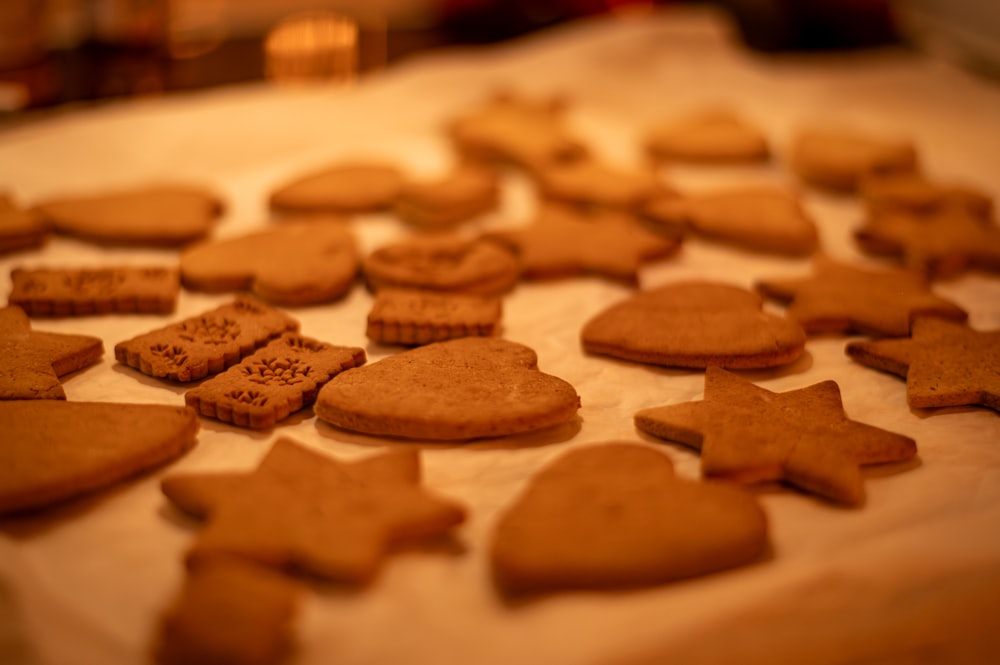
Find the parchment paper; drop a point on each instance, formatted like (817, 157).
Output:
(913, 572)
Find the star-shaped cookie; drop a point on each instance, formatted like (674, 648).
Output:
(841, 298)
(306, 511)
(940, 243)
(561, 243)
(944, 363)
(748, 434)
(32, 362)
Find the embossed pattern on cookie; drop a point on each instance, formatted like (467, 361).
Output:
(83, 291)
(275, 381)
(205, 344)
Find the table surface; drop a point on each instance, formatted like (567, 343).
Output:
(915, 571)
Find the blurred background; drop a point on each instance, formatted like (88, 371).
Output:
(55, 52)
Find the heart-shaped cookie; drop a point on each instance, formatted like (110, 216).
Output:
(615, 515)
(465, 388)
(296, 263)
(55, 450)
(694, 324)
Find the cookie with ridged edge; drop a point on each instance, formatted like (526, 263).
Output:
(58, 450)
(101, 290)
(294, 263)
(412, 317)
(694, 324)
(207, 343)
(467, 388)
(157, 215)
(31, 362)
(616, 515)
(944, 363)
(275, 381)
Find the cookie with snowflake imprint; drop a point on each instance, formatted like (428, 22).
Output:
(273, 382)
(207, 343)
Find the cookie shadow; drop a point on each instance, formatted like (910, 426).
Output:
(536, 439)
(36, 522)
(177, 387)
(517, 599)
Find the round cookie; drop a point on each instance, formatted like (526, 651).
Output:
(349, 187)
(443, 263)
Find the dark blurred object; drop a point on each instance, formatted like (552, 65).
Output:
(797, 25)
(495, 20)
(964, 31)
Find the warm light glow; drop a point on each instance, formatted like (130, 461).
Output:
(313, 46)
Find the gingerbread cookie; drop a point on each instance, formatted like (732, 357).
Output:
(561, 242)
(466, 192)
(614, 515)
(466, 388)
(589, 182)
(841, 298)
(748, 434)
(711, 135)
(694, 324)
(447, 263)
(206, 344)
(346, 187)
(229, 611)
(273, 382)
(944, 363)
(85, 291)
(158, 215)
(914, 192)
(413, 317)
(56, 450)
(20, 229)
(840, 158)
(518, 130)
(942, 243)
(304, 510)
(296, 263)
(31, 362)
(761, 218)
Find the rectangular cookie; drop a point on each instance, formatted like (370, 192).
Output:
(273, 382)
(205, 344)
(84, 291)
(413, 317)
